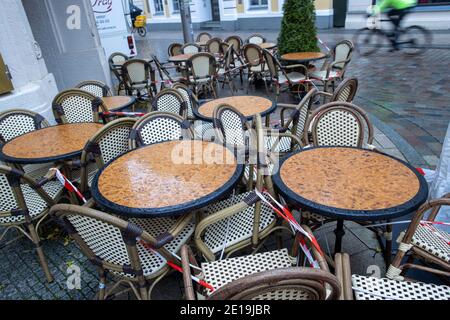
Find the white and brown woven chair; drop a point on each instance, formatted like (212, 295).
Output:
(139, 78)
(334, 70)
(191, 48)
(227, 71)
(372, 288)
(116, 60)
(158, 127)
(236, 41)
(170, 100)
(203, 37)
(255, 64)
(24, 204)
(174, 49)
(16, 122)
(109, 142)
(203, 69)
(97, 88)
(425, 242)
(255, 39)
(213, 46)
(76, 105)
(132, 252)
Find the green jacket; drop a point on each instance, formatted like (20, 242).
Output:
(394, 4)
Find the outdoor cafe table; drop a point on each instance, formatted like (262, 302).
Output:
(118, 103)
(180, 57)
(56, 143)
(302, 57)
(247, 105)
(267, 45)
(166, 179)
(347, 183)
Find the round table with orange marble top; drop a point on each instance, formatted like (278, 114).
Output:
(166, 179)
(180, 57)
(247, 105)
(56, 143)
(267, 45)
(347, 183)
(301, 57)
(118, 103)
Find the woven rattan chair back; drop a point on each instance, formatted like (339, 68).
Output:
(158, 127)
(296, 122)
(191, 48)
(230, 126)
(16, 122)
(342, 52)
(339, 124)
(294, 283)
(202, 65)
(203, 37)
(111, 244)
(170, 100)
(256, 39)
(76, 105)
(236, 41)
(174, 49)
(187, 95)
(224, 47)
(137, 71)
(109, 142)
(346, 90)
(117, 58)
(252, 54)
(213, 45)
(272, 63)
(97, 88)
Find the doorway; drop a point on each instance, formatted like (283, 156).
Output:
(340, 12)
(215, 10)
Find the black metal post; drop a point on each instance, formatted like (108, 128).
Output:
(339, 233)
(186, 21)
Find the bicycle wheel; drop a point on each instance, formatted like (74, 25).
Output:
(367, 41)
(414, 40)
(142, 31)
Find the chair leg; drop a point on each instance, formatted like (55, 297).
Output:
(40, 252)
(102, 284)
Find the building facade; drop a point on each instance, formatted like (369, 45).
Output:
(267, 14)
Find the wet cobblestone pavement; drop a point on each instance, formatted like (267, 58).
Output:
(408, 100)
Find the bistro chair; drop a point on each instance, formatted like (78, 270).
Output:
(279, 77)
(372, 288)
(139, 77)
(203, 129)
(256, 39)
(97, 88)
(203, 37)
(170, 100)
(236, 41)
(224, 47)
(213, 45)
(164, 72)
(254, 60)
(425, 242)
(191, 48)
(108, 143)
(24, 204)
(340, 124)
(133, 252)
(76, 105)
(174, 49)
(116, 60)
(16, 122)
(227, 72)
(334, 70)
(203, 69)
(345, 92)
(158, 127)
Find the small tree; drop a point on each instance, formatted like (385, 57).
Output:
(298, 27)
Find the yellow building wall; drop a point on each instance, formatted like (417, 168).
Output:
(274, 5)
(323, 4)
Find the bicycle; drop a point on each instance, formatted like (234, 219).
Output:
(413, 40)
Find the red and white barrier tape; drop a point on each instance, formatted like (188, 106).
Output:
(435, 232)
(119, 113)
(323, 43)
(287, 215)
(176, 267)
(68, 185)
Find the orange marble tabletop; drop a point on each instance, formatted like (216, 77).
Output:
(247, 105)
(303, 56)
(267, 45)
(181, 57)
(350, 179)
(167, 178)
(118, 102)
(54, 143)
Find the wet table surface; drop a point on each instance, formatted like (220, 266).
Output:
(351, 183)
(303, 56)
(180, 57)
(116, 103)
(247, 105)
(164, 179)
(267, 45)
(49, 144)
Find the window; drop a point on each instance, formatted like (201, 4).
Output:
(258, 4)
(425, 2)
(158, 6)
(176, 5)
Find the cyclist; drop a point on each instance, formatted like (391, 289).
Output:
(396, 10)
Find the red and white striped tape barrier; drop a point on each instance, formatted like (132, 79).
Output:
(125, 114)
(68, 185)
(323, 43)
